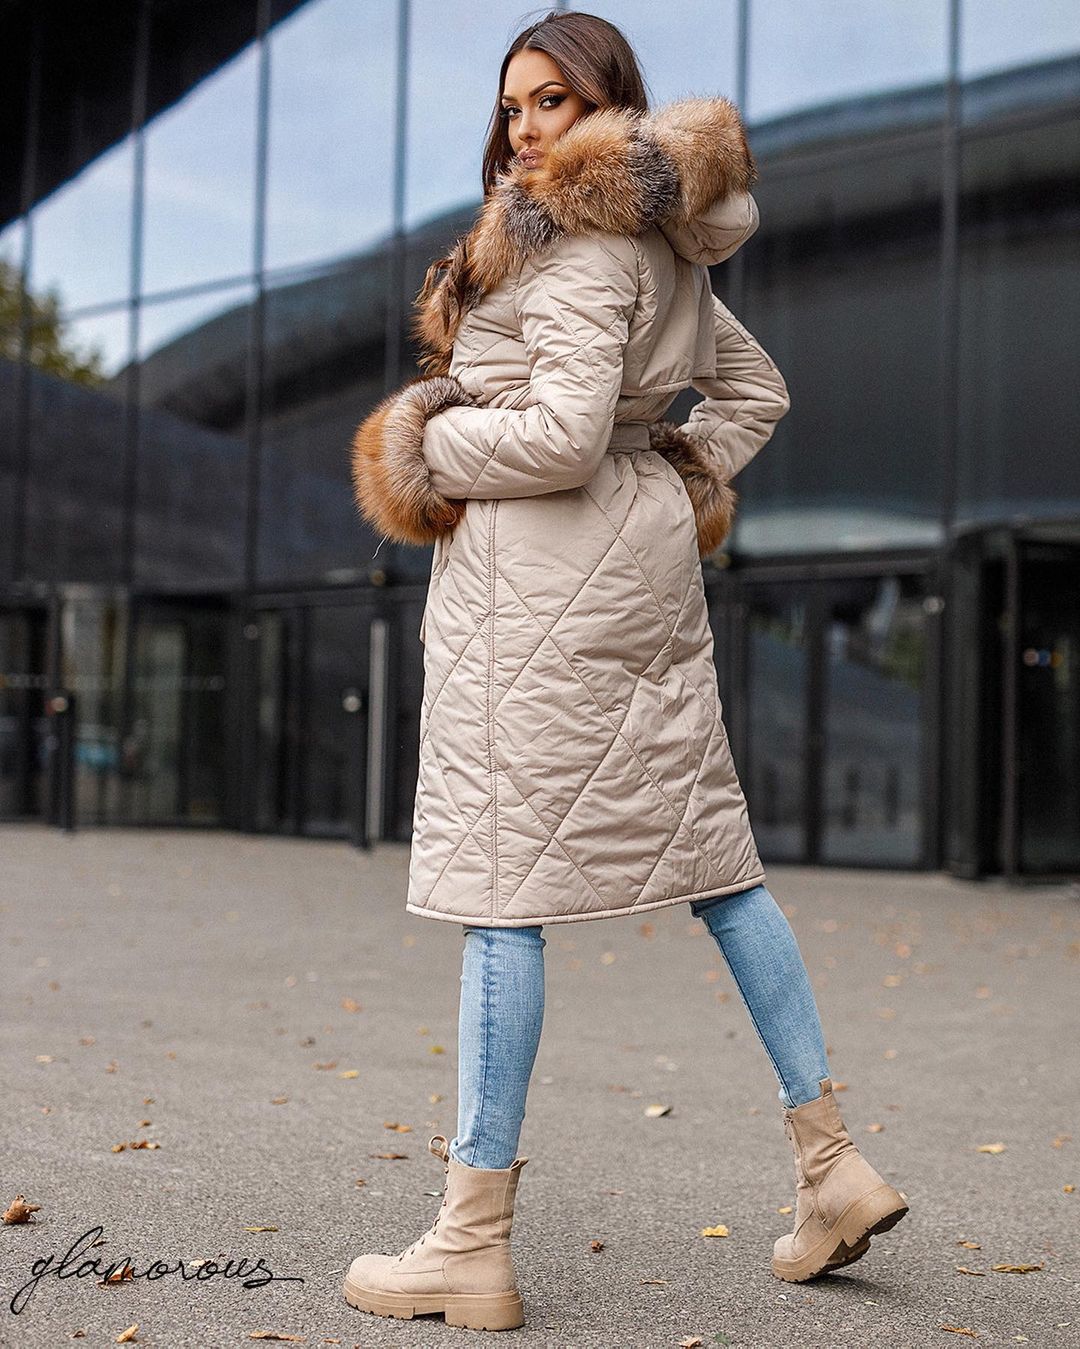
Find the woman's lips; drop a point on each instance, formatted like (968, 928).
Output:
(529, 158)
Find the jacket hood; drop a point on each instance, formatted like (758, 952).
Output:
(685, 167)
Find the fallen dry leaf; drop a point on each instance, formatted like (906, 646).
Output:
(279, 1100)
(436, 1049)
(117, 1276)
(19, 1211)
(126, 1336)
(1061, 1140)
(718, 1231)
(691, 1342)
(875, 1128)
(839, 1086)
(1069, 1189)
(595, 1245)
(970, 1245)
(350, 1072)
(274, 1335)
(350, 1005)
(1015, 1269)
(786, 1209)
(961, 1330)
(656, 1110)
(963, 1269)
(325, 1067)
(390, 1156)
(398, 1128)
(435, 1097)
(994, 1148)
(262, 1229)
(660, 1283)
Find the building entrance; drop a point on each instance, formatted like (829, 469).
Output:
(836, 731)
(1013, 731)
(24, 728)
(311, 719)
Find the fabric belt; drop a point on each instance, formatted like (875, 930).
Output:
(629, 436)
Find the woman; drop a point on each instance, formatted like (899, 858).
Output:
(573, 759)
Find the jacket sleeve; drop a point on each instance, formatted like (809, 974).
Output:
(742, 403)
(574, 300)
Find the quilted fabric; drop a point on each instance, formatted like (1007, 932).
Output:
(574, 763)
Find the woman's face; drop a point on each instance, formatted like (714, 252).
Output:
(538, 105)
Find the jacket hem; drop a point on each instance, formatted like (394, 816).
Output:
(545, 919)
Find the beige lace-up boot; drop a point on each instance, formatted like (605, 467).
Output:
(461, 1266)
(841, 1200)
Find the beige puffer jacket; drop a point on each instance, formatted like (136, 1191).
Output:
(573, 759)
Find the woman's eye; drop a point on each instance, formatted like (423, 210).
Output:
(510, 108)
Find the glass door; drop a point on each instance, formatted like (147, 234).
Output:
(1046, 722)
(24, 731)
(838, 759)
(875, 723)
(777, 624)
(174, 753)
(310, 665)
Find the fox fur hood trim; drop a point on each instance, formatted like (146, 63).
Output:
(615, 170)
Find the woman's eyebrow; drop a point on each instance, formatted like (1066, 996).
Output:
(507, 99)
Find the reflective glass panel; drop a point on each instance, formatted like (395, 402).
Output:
(82, 233)
(200, 180)
(875, 649)
(682, 48)
(174, 752)
(192, 467)
(774, 780)
(805, 53)
(337, 665)
(1048, 711)
(843, 290)
(992, 39)
(77, 431)
(1019, 318)
(11, 240)
(330, 177)
(324, 362)
(23, 725)
(93, 638)
(454, 59)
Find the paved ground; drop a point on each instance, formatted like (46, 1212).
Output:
(193, 980)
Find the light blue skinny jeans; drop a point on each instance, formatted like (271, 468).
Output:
(501, 1015)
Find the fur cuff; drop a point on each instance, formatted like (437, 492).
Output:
(713, 499)
(391, 480)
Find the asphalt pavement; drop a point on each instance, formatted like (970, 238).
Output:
(263, 1018)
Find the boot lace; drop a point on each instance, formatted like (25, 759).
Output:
(434, 1226)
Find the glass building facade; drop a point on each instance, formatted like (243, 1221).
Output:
(213, 219)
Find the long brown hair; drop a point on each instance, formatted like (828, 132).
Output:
(597, 63)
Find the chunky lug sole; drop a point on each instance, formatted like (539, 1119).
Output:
(475, 1311)
(850, 1235)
